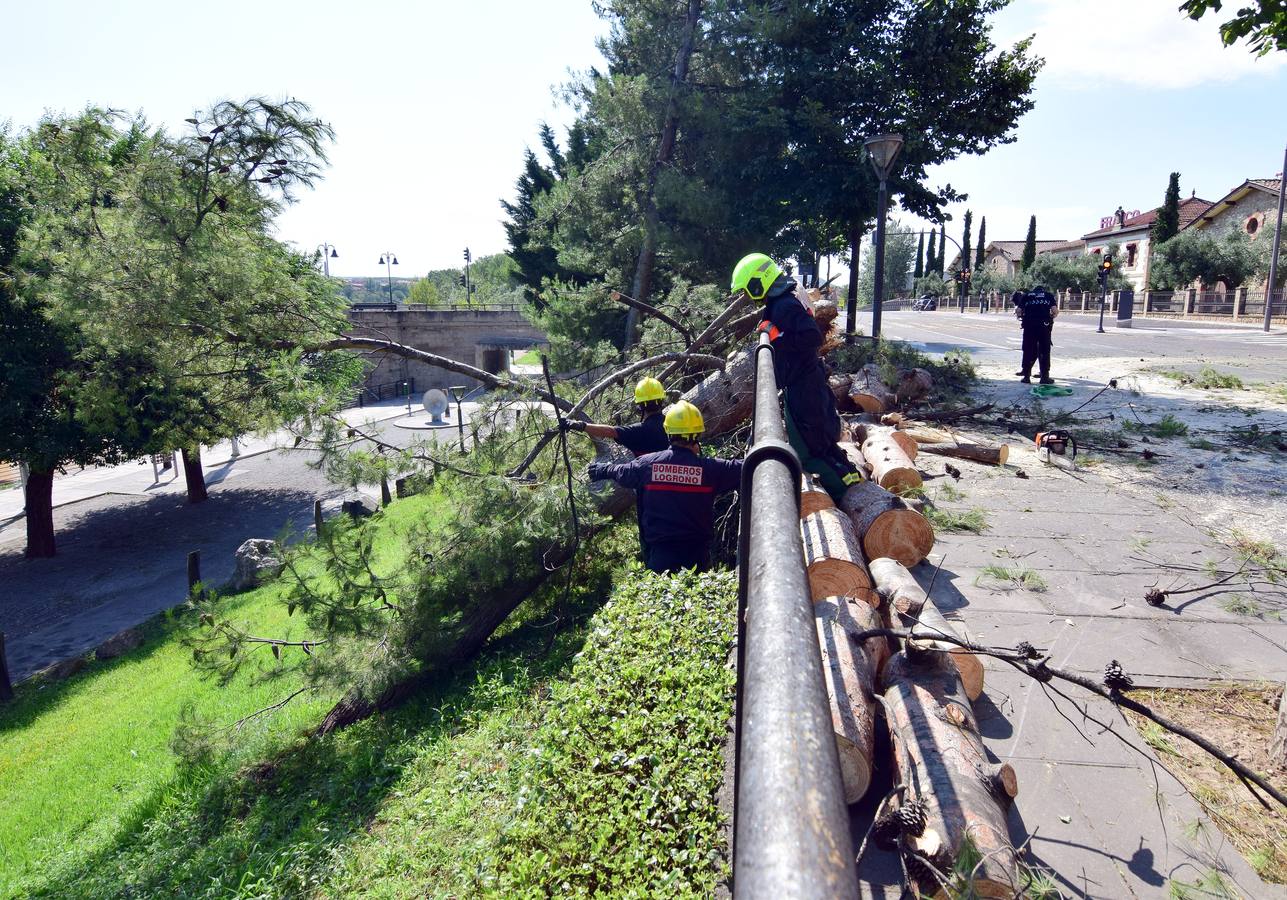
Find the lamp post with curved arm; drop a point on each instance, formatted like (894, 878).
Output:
(881, 150)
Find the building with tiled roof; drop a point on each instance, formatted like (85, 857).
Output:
(1250, 207)
(1003, 257)
(1132, 234)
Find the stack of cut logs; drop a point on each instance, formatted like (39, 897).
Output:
(858, 557)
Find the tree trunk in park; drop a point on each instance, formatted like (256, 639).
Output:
(833, 558)
(850, 671)
(886, 526)
(642, 285)
(193, 474)
(939, 755)
(994, 456)
(916, 610)
(812, 497)
(39, 500)
(1278, 747)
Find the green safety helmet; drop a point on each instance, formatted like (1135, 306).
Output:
(649, 389)
(683, 420)
(755, 274)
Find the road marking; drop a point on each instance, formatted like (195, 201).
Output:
(958, 338)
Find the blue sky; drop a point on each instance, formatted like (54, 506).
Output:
(433, 103)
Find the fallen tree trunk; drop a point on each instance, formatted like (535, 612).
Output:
(916, 610)
(726, 398)
(868, 392)
(813, 497)
(885, 526)
(890, 454)
(940, 757)
(850, 671)
(994, 456)
(865, 431)
(913, 385)
(833, 558)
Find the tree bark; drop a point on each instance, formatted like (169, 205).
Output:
(916, 610)
(855, 246)
(194, 475)
(995, 456)
(940, 756)
(6, 686)
(864, 432)
(726, 398)
(839, 385)
(885, 526)
(642, 285)
(913, 385)
(1278, 747)
(850, 671)
(813, 498)
(833, 558)
(868, 392)
(39, 500)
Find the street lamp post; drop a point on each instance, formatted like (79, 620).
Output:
(881, 149)
(327, 252)
(1278, 236)
(388, 260)
(458, 392)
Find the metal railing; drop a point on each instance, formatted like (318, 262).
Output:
(374, 393)
(435, 307)
(790, 825)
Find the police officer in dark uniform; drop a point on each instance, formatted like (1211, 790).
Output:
(812, 421)
(1036, 310)
(678, 520)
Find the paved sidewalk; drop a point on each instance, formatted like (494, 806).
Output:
(1099, 811)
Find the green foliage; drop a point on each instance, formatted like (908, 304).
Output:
(1167, 223)
(1166, 427)
(1207, 378)
(1029, 245)
(899, 260)
(981, 253)
(964, 261)
(932, 266)
(919, 271)
(953, 376)
(1231, 258)
(1075, 273)
(957, 521)
(1025, 579)
(618, 793)
(1261, 23)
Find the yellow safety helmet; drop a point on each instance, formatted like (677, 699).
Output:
(755, 274)
(683, 420)
(649, 389)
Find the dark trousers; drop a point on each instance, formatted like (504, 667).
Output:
(1036, 349)
(813, 427)
(672, 557)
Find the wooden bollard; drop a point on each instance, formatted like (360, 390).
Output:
(6, 686)
(194, 571)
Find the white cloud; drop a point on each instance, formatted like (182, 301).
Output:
(1137, 43)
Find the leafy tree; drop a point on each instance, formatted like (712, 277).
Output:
(424, 291)
(1077, 273)
(981, 254)
(942, 249)
(965, 242)
(534, 260)
(1262, 23)
(1167, 223)
(931, 257)
(1029, 245)
(1231, 258)
(900, 252)
(919, 271)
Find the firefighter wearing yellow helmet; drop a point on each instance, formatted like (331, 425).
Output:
(649, 435)
(679, 486)
(812, 421)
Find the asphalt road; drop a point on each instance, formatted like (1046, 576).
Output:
(995, 338)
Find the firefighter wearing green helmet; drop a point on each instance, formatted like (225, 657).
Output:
(812, 421)
(680, 486)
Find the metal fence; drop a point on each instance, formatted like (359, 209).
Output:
(374, 393)
(791, 829)
(436, 307)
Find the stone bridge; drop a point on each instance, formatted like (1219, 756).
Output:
(482, 336)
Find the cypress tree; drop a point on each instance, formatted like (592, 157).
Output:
(942, 248)
(965, 242)
(931, 261)
(1167, 223)
(919, 272)
(1030, 244)
(983, 243)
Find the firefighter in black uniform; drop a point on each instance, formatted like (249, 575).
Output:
(678, 519)
(1036, 311)
(812, 421)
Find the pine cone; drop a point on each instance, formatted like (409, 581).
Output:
(924, 878)
(885, 832)
(912, 817)
(1115, 679)
(1027, 651)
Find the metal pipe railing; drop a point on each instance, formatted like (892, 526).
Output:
(791, 828)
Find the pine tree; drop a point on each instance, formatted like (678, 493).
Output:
(919, 271)
(931, 260)
(1167, 224)
(535, 261)
(942, 249)
(965, 242)
(1030, 244)
(981, 252)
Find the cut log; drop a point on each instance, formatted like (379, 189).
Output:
(885, 526)
(995, 456)
(938, 753)
(839, 385)
(868, 392)
(913, 385)
(917, 611)
(726, 398)
(850, 671)
(813, 497)
(855, 457)
(833, 558)
(891, 466)
(905, 441)
(925, 434)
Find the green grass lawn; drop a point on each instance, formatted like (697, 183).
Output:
(530, 357)
(86, 760)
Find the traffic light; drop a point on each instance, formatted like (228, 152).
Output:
(460, 279)
(1107, 264)
(468, 257)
